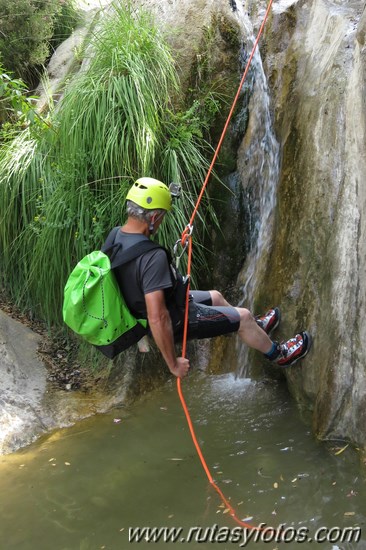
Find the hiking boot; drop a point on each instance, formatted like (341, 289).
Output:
(294, 349)
(270, 320)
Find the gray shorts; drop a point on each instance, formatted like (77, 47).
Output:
(206, 320)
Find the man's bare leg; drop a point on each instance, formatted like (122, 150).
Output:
(249, 331)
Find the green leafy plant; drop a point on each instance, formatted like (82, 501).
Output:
(63, 190)
(27, 29)
(17, 107)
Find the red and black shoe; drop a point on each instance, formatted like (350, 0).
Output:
(270, 320)
(294, 349)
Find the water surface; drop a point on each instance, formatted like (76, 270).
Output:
(82, 488)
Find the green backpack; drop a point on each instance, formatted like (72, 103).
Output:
(93, 305)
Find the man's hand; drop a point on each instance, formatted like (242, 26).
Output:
(180, 370)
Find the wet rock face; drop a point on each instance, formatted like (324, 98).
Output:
(31, 405)
(22, 385)
(315, 59)
(187, 19)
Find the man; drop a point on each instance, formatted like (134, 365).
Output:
(149, 288)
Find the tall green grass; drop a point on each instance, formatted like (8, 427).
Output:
(62, 191)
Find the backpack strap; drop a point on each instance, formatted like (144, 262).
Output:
(124, 256)
(110, 248)
(109, 242)
(118, 256)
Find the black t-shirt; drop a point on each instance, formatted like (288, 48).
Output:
(145, 274)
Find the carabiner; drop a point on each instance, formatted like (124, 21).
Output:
(186, 234)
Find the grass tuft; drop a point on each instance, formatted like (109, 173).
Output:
(62, 190)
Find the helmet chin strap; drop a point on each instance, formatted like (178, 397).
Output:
(151, 224)
(154, 221)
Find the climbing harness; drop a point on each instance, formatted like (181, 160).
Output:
(186, 243)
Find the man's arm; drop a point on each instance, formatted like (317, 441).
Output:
(161, 328)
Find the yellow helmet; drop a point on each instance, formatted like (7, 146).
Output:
(151, 194)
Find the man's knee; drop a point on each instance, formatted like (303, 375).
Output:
(217, 298)
(245, 316)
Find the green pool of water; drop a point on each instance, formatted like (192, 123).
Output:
(84, 487)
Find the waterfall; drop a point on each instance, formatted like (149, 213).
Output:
(258, 168)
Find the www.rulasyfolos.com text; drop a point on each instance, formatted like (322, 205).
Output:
(243, 536)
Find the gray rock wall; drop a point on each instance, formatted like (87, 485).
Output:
(315, 61)
(30, 405)
(22, 385)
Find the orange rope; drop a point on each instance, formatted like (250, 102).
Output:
(187, 235)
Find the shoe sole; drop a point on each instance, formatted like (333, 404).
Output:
(277, 322)
(310, 343)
